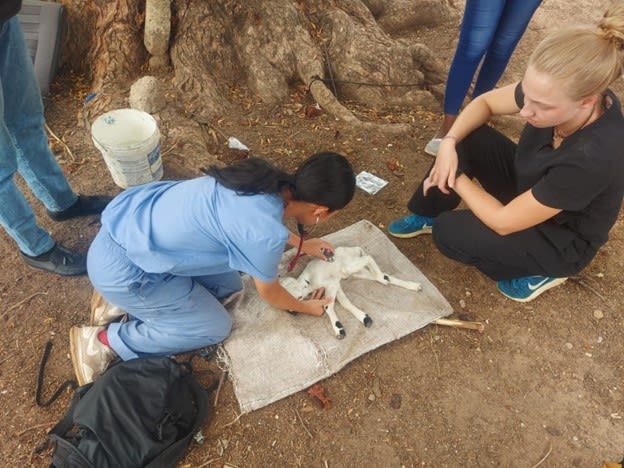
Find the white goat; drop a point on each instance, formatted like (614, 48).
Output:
(347, 261)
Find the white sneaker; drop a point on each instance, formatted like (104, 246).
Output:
(433, 146)
(102, 311)
(89, 355)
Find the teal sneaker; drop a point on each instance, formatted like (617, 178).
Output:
(410, 226)
(527, 288)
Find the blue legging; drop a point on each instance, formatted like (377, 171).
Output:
(490, 29)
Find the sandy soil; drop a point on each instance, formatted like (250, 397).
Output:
(543, 382)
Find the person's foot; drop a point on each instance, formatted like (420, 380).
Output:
(85, 205)
(410, 226)
(527, 288)
(89, 355)
(433, 146)
(102, 311)
(60, 260)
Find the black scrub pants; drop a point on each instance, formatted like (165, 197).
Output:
(487, 155)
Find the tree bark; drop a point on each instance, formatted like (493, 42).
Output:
(341, 49)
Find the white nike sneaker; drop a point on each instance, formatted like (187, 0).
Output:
(433, 146)
(90, 356)
(103, 312)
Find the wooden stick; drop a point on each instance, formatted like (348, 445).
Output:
(206, 463)
(69, 152)
(37, 426)
(303, 424)
(545, 456)
(479, 326)
(16, 305)
(221, 379)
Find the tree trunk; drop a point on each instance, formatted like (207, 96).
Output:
(340, 49)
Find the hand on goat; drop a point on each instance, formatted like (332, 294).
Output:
(318, 302)
(318, 248)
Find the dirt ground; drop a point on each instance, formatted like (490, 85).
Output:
(542, 386)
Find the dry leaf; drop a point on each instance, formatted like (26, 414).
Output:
(317, 391)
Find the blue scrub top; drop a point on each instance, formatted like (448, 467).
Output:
(198, 227)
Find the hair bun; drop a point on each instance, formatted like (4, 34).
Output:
(611, 35)
(611, 26)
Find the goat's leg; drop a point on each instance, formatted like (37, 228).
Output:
(372, 271)
(411, 285)
(331, 313)
(344, 301)
(335, 323)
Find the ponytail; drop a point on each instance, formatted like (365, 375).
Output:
(252, 176)
(326, 179)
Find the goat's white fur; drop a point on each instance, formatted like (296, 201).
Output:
(347, 261)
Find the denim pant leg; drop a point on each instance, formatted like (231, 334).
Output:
(167, 314)
(515, 18)
(476, 33)
(16, 215)
(24, 141)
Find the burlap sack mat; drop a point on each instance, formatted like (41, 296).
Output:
(272, 354)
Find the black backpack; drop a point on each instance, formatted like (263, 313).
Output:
(139, 413)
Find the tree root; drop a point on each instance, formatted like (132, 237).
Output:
(330, 103)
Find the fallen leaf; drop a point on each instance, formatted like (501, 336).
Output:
(317, 391)
(313, 111)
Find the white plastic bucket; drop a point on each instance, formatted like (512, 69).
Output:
(129, 142)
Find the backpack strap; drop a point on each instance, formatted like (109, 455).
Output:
(64, 450)
(60, 390)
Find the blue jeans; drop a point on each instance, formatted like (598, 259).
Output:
(490, 31)
(167, 314)
(24, 147)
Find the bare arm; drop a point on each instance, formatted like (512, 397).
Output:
(274, 294)
(496, 102)
(522, 212)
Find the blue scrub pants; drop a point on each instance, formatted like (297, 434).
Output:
(167, 314)
(490, 29)
(24, 147)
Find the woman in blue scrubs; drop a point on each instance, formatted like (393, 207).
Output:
(169, 252)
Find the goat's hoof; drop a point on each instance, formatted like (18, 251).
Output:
(340, 333)
(367, 321)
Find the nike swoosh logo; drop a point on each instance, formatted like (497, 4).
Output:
(533, 287)
(91, 345)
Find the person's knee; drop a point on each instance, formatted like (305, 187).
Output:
(447, 234)
(461, 236)
(226, 326)
(219, 328)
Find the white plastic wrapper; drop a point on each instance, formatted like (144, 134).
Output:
(234, 143)
(370, 183)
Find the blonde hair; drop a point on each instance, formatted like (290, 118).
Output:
(582, 60)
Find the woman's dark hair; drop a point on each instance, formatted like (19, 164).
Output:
(326, 179)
